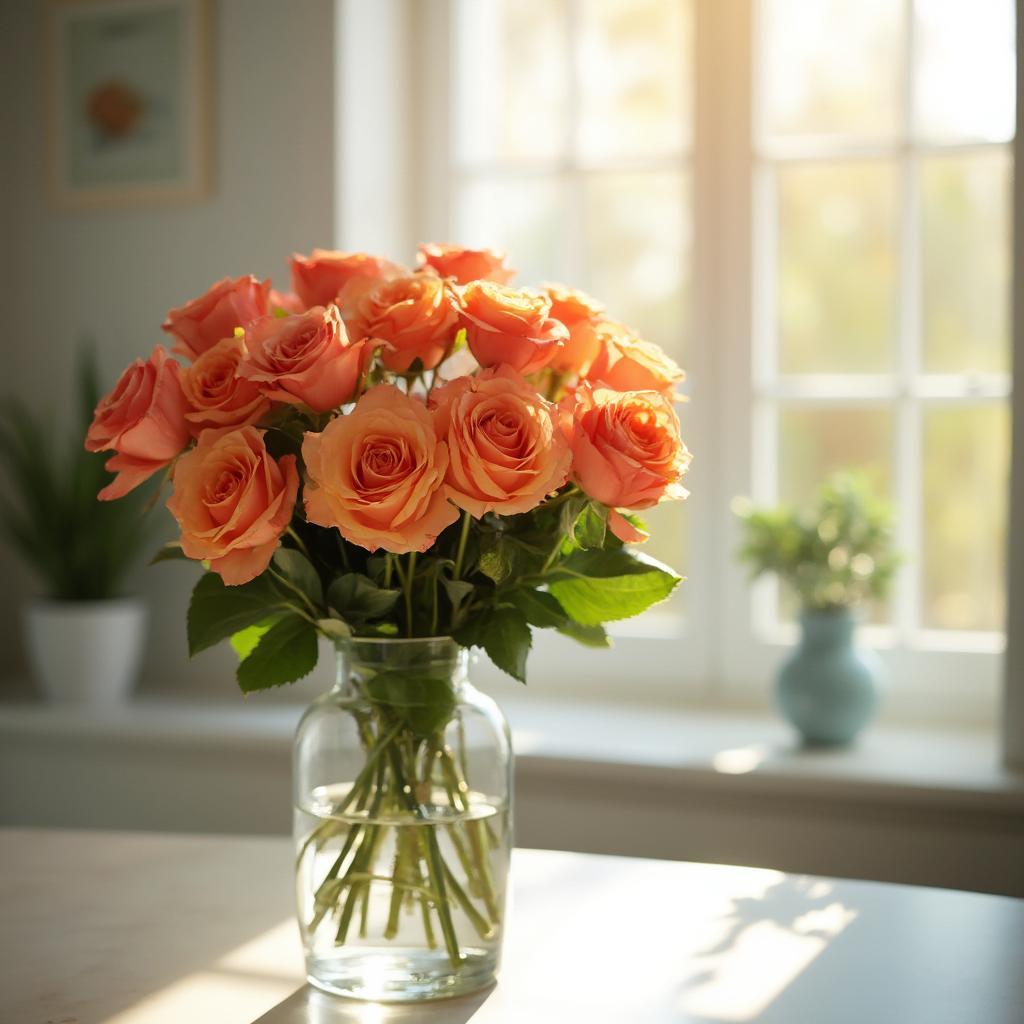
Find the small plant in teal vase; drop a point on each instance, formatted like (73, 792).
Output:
(836, 558)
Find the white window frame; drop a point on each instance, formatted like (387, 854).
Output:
(400, 52)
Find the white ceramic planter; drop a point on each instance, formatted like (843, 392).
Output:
(85, 652)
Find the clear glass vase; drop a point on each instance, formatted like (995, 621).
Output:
(402, 791)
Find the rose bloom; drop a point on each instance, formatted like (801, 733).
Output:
(218, 397)
(580, 313)
(142, 420)
(329, 275)
(307, 358)
(414, 314)
(233, 502)
(377, 474)
(508, 325)
(465, 265)
(506, 449)
(628, 363)
(201, 323)
(626, 447)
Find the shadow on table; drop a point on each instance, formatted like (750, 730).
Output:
(308, 1006)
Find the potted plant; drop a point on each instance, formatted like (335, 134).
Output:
(835, 558)
(84, 637)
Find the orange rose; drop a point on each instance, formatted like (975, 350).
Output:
(580, 313)
(218, 397)
(626, 448)
(628, 363)
(142, 420)
(305, 358)
(233, 502)
(326, 275)
(506, 325)
(377, 474)
(201, 323)
(414, 314)
(506, 449)
(465, 265)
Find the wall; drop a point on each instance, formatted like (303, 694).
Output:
(112, 274)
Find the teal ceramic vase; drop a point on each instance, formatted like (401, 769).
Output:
(827, 688)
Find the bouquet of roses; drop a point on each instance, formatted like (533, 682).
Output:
(385, 452)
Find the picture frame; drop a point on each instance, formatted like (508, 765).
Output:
(130, 107)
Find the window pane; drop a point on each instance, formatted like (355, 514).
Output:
(830, 67)
(817, 442)
(512, 79)
(838, 267)
(966, 262)
(634, 63)
(965, 69)
(638, 247)
(526, 216)
(966, 460)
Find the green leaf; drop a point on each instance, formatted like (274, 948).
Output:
(217, 611)
(335, 629)
(570, 512)
(497, 558)
(457, 591)
(540, 608)
(589, 636)
(245, 640)
(357, 598)
(423, 703)
(601, 586)
(297, 569)
(591, 525)
(170, 552)
(504, 634)
(285, 653)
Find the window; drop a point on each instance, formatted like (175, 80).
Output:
(808, 205)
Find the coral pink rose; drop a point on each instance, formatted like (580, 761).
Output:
(377, 474)
(201, 323)
(508, 325)
(142, 420)
(580, 313)
(233, 502)
(465, 265)
(506, 449)
(217, 396)
(414, 314)
(329, 275)
(628, 363)
(285, 302)
(626, 448)
(307, 358)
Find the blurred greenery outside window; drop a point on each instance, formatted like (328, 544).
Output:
(881, 169)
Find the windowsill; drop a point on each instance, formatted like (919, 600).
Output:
(608, 745)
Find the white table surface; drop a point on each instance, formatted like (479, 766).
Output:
(115, 928)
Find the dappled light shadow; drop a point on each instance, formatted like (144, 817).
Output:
(767, 940)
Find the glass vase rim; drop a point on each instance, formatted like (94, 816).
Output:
(388, 641)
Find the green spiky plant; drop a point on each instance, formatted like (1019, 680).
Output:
(836, 555)
(81, 548)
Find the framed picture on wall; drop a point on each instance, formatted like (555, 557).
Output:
(130, 103)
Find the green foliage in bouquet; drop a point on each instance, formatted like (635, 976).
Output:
(81, 548)
(556, 567)
(836, 555)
